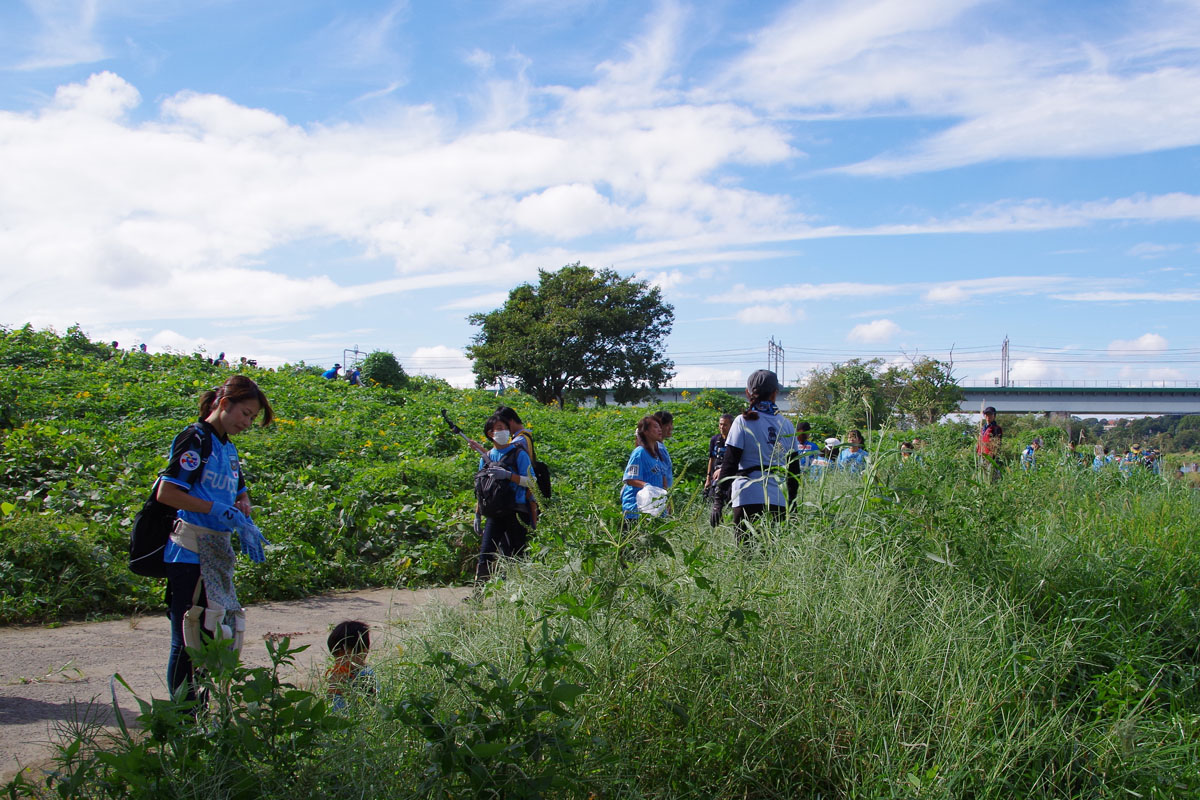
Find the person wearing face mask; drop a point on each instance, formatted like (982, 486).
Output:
(505, 532)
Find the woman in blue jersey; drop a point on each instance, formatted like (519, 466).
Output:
(853, 459)
(212, 501)
(647, 466)
(505, 532)
(760, 452)
(807, 450)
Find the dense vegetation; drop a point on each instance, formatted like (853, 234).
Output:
(917, 633)
(354, 486)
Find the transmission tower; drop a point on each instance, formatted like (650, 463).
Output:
(775, 359)
(1005, 366)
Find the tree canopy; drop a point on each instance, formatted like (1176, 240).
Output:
(579, 329)
(861, 393)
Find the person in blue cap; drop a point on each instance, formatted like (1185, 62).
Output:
(331, 374)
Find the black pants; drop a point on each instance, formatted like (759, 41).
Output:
(743, 513)
(506, 534)
(181, 583)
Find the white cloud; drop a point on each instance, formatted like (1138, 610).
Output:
(448, 363)
(880, 330)
(1034, 369)
(769, 315)
(1009, 90)
(949, 293)
(1146, 343)
(567, 212)
(124, 212)
(667, 279)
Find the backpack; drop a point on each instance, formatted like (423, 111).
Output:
(493, 489)
(153, 524)
(541, 472)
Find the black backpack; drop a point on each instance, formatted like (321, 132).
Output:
(153, 524)
(541, 472)
(493, 489)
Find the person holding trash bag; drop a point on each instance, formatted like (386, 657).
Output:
(201, 599)
(760, 451)
(647, 473)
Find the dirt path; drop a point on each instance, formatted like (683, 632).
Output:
(46, 673)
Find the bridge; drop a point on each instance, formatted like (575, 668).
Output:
(1160, 397)
(1075, 397)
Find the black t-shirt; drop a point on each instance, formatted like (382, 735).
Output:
(716, 449)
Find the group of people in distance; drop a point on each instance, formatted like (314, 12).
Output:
(755, 465)
(755, 461)
(991, 437)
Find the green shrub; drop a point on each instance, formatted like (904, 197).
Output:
(382, 368)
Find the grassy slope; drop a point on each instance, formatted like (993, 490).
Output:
(354, 486)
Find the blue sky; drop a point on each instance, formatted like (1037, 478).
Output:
(283, 180)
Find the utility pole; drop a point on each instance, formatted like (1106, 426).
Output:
(775, 359)
(1005, 367)
(351, 358)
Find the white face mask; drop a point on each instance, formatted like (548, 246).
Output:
(501, 437)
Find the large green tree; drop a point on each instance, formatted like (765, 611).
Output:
(578, 329)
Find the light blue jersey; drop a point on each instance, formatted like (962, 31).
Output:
(853, 462)
(643, 466)
(808, 451)
(221, 481)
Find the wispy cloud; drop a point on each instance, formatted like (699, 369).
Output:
(1104, 296)
(783, 314)
(1152, 250)
(1008, 91)
(66, 36)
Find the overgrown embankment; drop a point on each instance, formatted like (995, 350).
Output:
(354, 486)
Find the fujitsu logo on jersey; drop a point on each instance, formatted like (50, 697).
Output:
(220, 482)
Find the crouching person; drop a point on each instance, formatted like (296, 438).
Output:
(349, 676)
(502, 497)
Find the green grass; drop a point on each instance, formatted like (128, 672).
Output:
(920, 633)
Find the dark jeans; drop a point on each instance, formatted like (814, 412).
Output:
(743, 513)
(181, 583)
(506, 534)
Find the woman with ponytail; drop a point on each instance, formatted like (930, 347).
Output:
(647, 466)
(204, 482)
(760, 447)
